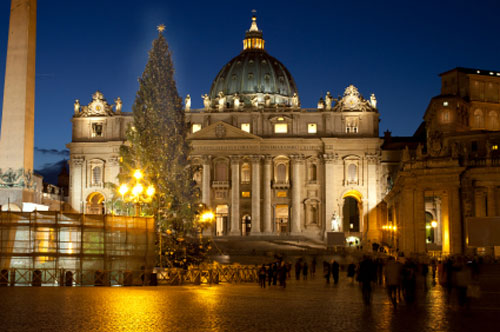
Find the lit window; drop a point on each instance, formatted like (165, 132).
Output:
(312, 128)
(196, 127)
(280, 128)
(245, 173)
(245, 127)
(494, 147)
(245, 194)
(281, 194)
(445, 103)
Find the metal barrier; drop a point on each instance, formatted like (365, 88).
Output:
(211, 274)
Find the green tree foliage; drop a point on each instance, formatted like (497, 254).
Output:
(157, 145)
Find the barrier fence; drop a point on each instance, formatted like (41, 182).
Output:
(169, 276)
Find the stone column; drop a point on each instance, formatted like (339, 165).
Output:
(455, 221)
(297, 171)
(76, 183)
(491, 201)
(329, 181)
(419, 222)
(205, 183)
(235, 196)
(268, 164)
(256, 195)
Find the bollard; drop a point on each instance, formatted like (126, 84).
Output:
(153, 279)
(127, 278)
(36, 281)
(4, 277)
(13, 277)
(68, 279)
(98, 278)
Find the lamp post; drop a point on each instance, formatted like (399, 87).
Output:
(137, 193)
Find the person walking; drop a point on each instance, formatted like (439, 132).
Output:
(326, 271)
(282, 274)
(335, 271)
(393, 279)
(298, 268)
(262, 276)
(409, 281)
(366, 275)
(305, 270)
(351, 271)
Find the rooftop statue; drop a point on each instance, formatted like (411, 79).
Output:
(236, 100)
(206, 101)
(222, 101)
(77, 106)
(373, 100)
(118, 105)
(255, 101)
(328, 100)
(295, 100)
(187, 103)
(321, 104)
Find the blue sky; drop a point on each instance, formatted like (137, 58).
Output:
(394, 49)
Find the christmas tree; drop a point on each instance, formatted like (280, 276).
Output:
(158, 146)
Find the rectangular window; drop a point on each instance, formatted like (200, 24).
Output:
(280, 128)
(245, 194)
(97, 129)
(196, 127)
(245, 127)
(281, 194)
(312, 128)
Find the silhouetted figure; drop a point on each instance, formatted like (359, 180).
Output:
(393, 279)
(262, 276)
(409, 281)
(425, 271)
(335, 272)
(313, 267)
(326, 271)
(282, 270)
(275, 273)
(366, 275)
(351, 271)
(305, 271)
(298, 268)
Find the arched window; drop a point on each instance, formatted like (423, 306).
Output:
(245, 173)
(96, 176)
(352, 173)
(478, 119)
(312, 172)
(493, 121)
(445, 116)
(281, 173)
(220, 171)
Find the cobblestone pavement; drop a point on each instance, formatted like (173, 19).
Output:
(302, 306)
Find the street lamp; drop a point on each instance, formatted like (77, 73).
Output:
(136, 193)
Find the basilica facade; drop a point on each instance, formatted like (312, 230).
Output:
(267, 165)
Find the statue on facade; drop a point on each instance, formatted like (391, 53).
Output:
(295, 100)
(118, 105)
(255, 101)
(419, 151)
(77, 106)
(206, 101)
(321, 104)
(222, 101)
(267, 100)
(236, 101)
(335, 223)
(187, 103)
(328, 100)
(373, 101)
(406, 154)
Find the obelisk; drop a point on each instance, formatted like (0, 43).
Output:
(18, 112)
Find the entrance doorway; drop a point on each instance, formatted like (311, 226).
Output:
(95, 203)
(246, 224)
(221, 213)
(350, 212)
(281, 219)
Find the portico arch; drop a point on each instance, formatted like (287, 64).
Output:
(95, 203)
(351, 211)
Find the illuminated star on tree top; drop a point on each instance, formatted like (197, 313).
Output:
(161, 28)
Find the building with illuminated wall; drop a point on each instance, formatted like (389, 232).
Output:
(267, 166)
(446, 197)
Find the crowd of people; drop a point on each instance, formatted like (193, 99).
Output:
(402, 276)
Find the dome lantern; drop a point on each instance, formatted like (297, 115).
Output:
(253, 37)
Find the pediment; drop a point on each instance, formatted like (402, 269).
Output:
(221, 130)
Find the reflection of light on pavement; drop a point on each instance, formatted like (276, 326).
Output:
(209, 297)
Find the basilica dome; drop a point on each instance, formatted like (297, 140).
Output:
(254, 77)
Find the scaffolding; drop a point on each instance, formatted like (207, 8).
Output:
(76, 242)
